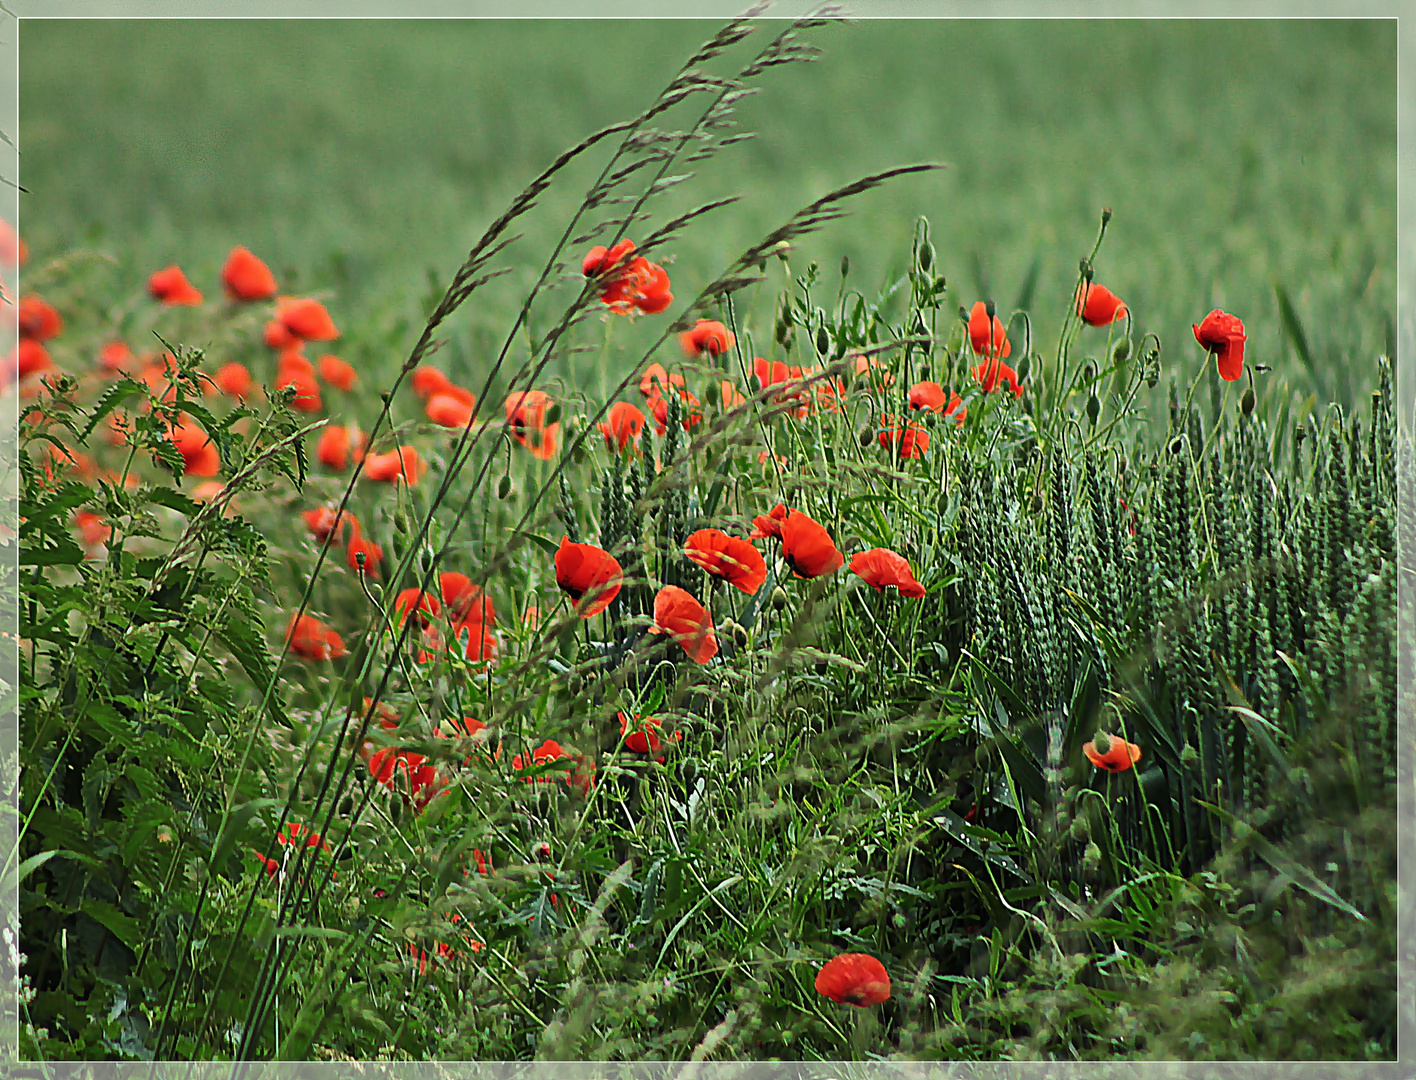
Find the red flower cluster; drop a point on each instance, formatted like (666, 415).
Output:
(627, 284)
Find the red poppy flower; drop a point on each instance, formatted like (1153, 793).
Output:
(931, 397)
(428, 380)
(581, 776)
(270, 866)
(372, 553)
(246, 277)
(628, 284)
(1098, 305)
(92, 528)
(601, 261)
(338, 373)
(526, 412)
(770, 372)
(29, 357)
(588, 573)
(622, 425)
(465, 600)
(649, 287)
(878, 374)
(277, 337)
(199, 454)
(396, 466)
(466, 728)
(729, 397)
(656, 380)
(306, 319)
(644, 735)
(233, 379)
(854, 979)
(707, 336)
(323, 522)
(676, 612)
(294, 370)
(548, 751)
(116, 356)
(415, 600)
(334, 445)
(769, 525)
(312, 639)
(994, 373)
(731, 558)
(1223, 335)
(448, 411)
(910, 440)
(879, 567)
(293, 834)
(999, 346)
(171, 286)
(1111, 752)
(37, 320)
(808, 547)
(659, 407)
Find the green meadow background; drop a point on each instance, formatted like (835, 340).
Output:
(362, 158)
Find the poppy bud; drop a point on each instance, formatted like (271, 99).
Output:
(1081, 830)
(867, 437)
(1177, 444)
(926, 258)
(940, 285)
(1122, 350)
(504, 486)
(1188, 758)
(359, 558)
(1093, 409)
(740, 636)
(781, 249)
(425, 560)
(1247, 402)
(1089, 372)
(1102, 743)
(845, 266)
(990, 309)
(779, 598)
(823, 340)
(1091, 859)
(553, 415)
(1105, 217)
(1024, 366)
(1037, 506)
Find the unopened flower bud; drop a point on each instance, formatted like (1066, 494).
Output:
(739, 635)
(1247, 402)
(845, 266)
(1122, 350)
(1024, 366)
(990, 308)
(779, 598)
(1188, 758)
(711, 394)
(867, 436)
(1102, 742)
(823, 340)
(504, 486)
(926, 258)
(553, 414)
(1081, 830)
(1105, 216)
(1093, 409)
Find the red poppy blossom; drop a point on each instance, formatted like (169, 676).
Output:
(92, 528)
(644, 735)
(879, 567)
(1111, 752)
(627, 284)
(338, 373)
(199, 454)
(601, 261)
(116, 356)
(659, 407)
(415, 600)
(37, 320)
(909, 440)
(448, 411)
(707, 336)
(277, 337)
(588, 573)
(731, 558)
(622, 425)
(245, 277)
(233, 379)
(294, 831)
(994, 373)
(171, 286)
(677, 613)
(323, 522)
(526, 413)
(730, 397)
(466, 728)
(428, 380)
(292, 372)
(372, 553)
(999, 345)
(808, 547)
(464, 599)
(313, 640)
(333, 450)
(1223, 335)
(271, 866)
(396, 466)
(29, 357)
(305, 319)
(931, 397)
(769, 525)
(1099, 306)
(854, 979)
(656, 380)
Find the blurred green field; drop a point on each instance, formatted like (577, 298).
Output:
(360, 157)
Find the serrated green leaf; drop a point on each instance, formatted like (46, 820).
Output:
(110, 399)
